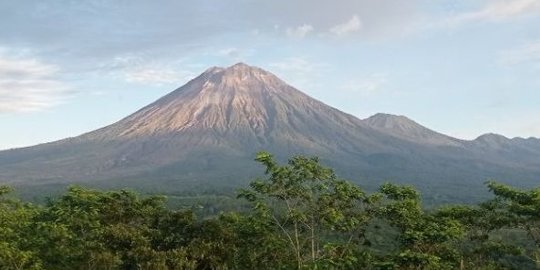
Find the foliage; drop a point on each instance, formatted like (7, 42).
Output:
(299, 216)
(425, 241)
(320, 217)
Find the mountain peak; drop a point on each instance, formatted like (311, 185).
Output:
(241, 65)
(238, 76)
(392, 122)
(407, 129)
(492, 136)
(492, 140)
(384, 119)
(239, 99)
(214, 70)
(245, 69)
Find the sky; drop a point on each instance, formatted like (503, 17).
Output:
(460, 67)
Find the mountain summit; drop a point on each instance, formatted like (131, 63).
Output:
(407, 129)
(221, 99)
(202, 137)
(240, 106)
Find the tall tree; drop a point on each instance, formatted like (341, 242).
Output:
(322, 218)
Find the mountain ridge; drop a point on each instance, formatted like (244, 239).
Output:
(205, 134)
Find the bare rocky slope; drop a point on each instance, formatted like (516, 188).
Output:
(202, 137)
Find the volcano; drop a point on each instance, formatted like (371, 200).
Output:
(203, 136)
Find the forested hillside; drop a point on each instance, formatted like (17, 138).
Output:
(300, 216)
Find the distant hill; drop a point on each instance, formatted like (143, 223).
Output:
(202, 137)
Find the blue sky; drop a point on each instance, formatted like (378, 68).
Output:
(463, 68)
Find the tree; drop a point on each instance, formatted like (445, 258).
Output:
(320, 217)
(522, 209)
(15, 219)
(425, 241)
(302, 217)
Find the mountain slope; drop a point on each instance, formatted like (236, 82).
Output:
(238, 102)
(202, 138)
(230, 113)
(405, 128)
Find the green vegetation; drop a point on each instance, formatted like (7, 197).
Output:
(299, 216)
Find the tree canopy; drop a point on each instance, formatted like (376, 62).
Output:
(300, 216)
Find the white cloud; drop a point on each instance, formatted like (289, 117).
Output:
(366, 85)
(300, 31)
(498, 11)
(236, 54)
(529, 53)
(296, 65)
(157, 76)
(229, 52)
(299, 71)
(348, 27)
(137, 69)
(27, 84)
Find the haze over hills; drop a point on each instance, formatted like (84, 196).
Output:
(202, 137)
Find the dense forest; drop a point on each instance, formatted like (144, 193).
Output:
(300, 215)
